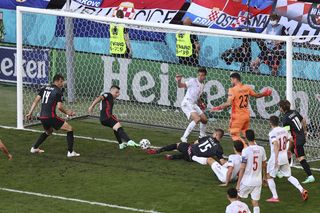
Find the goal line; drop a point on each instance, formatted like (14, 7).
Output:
(115, 142)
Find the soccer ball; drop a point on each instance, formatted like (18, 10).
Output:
(145, 144)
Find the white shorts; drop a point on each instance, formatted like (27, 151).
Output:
(254, 191)
(284, 169)
(188, 108)
(220, 171)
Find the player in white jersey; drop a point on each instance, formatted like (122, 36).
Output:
(278, 162)
(253, 167)
(236, 206)
(192, 101)
(228, 172)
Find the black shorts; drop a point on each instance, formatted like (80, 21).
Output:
(185, 149)
(299, 150)
(110, 122)
(55, 123)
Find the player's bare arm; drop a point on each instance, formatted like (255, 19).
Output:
(223, 106)
(266, 92)
(178, 80)
(65, 111)
(5, 150)
(127, 40)
(94, 103)
(241, 172)
(228, 178)
(33, 106)
(276, 152)
(264, 172)
(304, 126)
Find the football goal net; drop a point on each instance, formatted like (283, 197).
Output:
(143, 58)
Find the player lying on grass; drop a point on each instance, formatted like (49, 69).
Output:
(51, 97)
(203, 148)
(236, 206)
(228, 171)
(278, 162)
(5, 150)
(106, 101)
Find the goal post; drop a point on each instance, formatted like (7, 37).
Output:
(149, 94)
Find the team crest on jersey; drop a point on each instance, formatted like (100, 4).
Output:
(20, 1)
(314, 16)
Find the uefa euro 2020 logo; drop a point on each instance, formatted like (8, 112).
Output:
(314, 16)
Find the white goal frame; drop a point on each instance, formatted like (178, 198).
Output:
(204, 31)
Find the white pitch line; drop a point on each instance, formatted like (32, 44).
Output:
(105, 140)
(79, 200)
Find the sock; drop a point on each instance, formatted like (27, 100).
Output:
(117, 136)
(296, 183)
(170, 147)
(123, 135)
(203, 128)
(189, 129)
(70, 140)
(256, 209)
(306, 167)
(272, 187)
(200, 160)
(40, 140)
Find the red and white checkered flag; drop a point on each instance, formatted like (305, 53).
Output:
(214, 15)
(240, 21)
(127, 8)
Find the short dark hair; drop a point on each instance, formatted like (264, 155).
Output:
(250, 135)
(203, 70)
(238, 145)
(221, 132)
(119, 14)
(274, 16)
(285, 105)
(236, 76)
(274, 120)
(57, 77)
(232, 192)
(114, 87)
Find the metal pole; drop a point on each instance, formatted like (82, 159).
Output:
(289, 75)
(70, 55)
(19, 70)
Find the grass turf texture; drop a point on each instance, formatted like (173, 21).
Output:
(128, 177)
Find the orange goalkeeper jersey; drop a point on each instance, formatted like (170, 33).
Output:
(240, 100)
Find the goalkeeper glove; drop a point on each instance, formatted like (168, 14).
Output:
(218, 108)
(202, 106)
(267, 92)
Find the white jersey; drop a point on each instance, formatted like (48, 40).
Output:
(279, 135)
(253, 156)
(194, 90)
(237, 206)
(234, 160)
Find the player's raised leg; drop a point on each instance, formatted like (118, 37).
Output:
(203, 125)
(195, 120)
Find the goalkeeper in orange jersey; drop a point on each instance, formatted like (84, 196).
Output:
(238, 99)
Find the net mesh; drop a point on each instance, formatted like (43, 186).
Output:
(146, 72)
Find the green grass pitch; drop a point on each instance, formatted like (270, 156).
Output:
(129, 177)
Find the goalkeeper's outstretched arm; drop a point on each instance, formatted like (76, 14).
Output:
(5, 150)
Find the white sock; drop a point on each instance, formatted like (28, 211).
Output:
(296, 183)
(272, 187)
(200, 160)
(203, 128)
(189, 129)
(256, 209)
